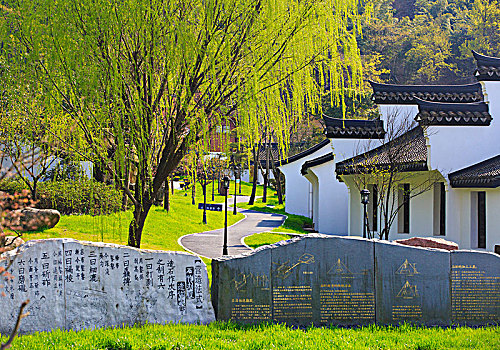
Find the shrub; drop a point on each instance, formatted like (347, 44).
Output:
(84, 196)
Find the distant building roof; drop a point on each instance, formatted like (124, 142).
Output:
(408, 152)
(315, 162)
(434, 113)
(354, 128)
(405, 94)
(483, 174)
(305, 153)
(488, 68)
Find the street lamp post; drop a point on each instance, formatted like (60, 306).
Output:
(235, 184)
(225, 184)
(204, 179)
(213, 183)
(365, 198)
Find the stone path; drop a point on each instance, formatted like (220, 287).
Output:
(209, 243)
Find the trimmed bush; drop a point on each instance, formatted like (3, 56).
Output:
(83, 196)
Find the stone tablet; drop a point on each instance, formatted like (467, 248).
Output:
(241, 287)
(475, 288)
(412, 284)
(77, 285)
(315, 279)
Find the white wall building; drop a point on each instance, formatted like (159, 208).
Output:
(298, 190)
(456, 143)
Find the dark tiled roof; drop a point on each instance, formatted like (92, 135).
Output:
(483, 174)
(408, 152)
(315, 162)
(263, 152)
(405, 94)
(305, 153)
(488, 68)
(433, 113)
(354, 128)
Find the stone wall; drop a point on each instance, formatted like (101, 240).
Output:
(352, 281)
(77, 285)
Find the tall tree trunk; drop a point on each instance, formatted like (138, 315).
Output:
(277, 177)
(255, 175)
(266, 175)
(166, 196)
(137, 225)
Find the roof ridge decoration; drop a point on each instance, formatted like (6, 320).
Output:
(353, 128)
(488, 68)
(466, 114)
(407, 152)
(315, 162)
(484, 174)
(305, 153)
(406, 94)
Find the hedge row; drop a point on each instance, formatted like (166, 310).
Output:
(83, 196)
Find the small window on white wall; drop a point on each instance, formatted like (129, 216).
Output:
(478, 219)
(404, 208)
(439, 209)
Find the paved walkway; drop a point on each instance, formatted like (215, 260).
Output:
(209, 243)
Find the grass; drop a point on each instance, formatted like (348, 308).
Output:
(224, 335)
(259, 239)
(161, 231)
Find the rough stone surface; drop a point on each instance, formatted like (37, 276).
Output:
(321, 280)
(77, 285)
(412, 284)
(32, 219)
(475, 288)
(429, 242)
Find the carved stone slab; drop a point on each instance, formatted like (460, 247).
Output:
(412, 284)
(309, 280)
(475, 288)
(77, 285)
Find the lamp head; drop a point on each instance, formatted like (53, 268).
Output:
(225, 183)
(365, 196)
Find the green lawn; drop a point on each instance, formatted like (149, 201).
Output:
(259, 239)
(221, 335)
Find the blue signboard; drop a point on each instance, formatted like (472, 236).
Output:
(212, 207)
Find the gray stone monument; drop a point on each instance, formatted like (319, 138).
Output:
(77, 285)
(475, 288)
(347, 281)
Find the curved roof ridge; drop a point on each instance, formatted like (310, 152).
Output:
(483, 174)
(488, 68)
(354, 128)
(315, 162)
(305, 153)
(406, 94)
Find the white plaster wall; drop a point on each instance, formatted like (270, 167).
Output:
(314, 200)
(332, 200)
(297, 186)
(401, 112)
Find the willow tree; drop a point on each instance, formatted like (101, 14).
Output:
(145, 79)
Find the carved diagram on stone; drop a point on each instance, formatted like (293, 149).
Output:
(408, 291)
(285, 269)
(240, 282)
(339, 268)
(407, 269)
(33, 309)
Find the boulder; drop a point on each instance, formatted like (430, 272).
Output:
(31, 219)
(429, 242)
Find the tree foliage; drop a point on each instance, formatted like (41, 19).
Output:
(145, 79)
